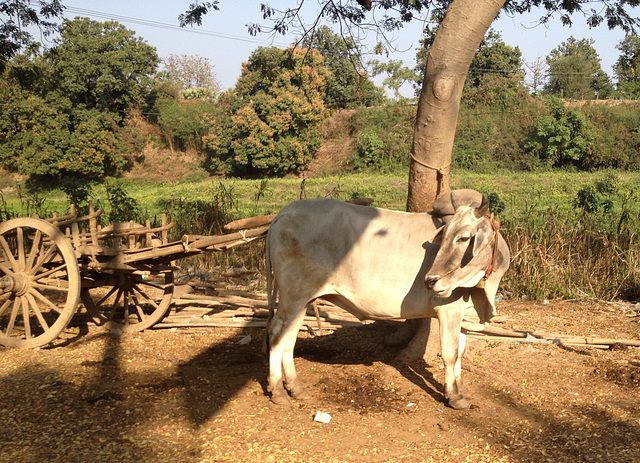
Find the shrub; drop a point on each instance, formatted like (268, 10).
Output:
(370, 150)
(183, 124)
(562, 138)
(123, 206)
(385, 135)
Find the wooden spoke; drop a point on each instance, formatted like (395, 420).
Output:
(42, 298)
(53, 271)
(139, 309)
(4, 270)
(145, 296)
(20, 249)
(114, 306)
(14, 314)
(41, 282)
(35, 250)
(25, 317)
(4, 307)
(37, 311)
(101, 301)
(51, 287)
(8, 253)
(135, 304)
(45, 258)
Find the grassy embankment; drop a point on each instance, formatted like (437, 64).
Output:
(559, 250)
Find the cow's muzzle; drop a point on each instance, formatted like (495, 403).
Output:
(431, 281)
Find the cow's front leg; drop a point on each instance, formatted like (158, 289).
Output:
(452, 346)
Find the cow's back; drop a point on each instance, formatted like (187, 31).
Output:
(371, 258)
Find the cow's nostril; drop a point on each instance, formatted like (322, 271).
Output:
(430, 281)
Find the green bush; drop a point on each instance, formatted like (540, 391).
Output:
(183, 124)
(123, 206)
(561, 138)
(384, 139)
(371, 152)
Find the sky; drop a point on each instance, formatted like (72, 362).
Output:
(224, 39)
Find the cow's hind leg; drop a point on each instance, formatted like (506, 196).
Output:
(452, 345)
(283, 331)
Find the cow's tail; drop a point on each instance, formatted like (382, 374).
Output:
(272, 294)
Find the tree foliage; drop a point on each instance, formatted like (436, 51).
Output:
(193, 74)
(575, 71)
(16, 19)
(348, 86)
(561, 138)
(65, 113)
(272, 121)
(184, 123)
(397, 75)
(627, 67)
(102, 65)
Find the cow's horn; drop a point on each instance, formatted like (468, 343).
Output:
(483, 209)
(454, 202)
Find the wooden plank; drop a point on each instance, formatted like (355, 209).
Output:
(250, 222)
(200, 242)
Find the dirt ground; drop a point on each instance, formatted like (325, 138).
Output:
(198, 395)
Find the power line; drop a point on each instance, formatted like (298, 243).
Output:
(166, 26)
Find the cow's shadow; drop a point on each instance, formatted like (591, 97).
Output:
(214, 377)
(364, 345)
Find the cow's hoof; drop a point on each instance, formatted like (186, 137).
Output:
(300, 394)
(297, 391)
(281, 399)
(279, 396)
(459, 403)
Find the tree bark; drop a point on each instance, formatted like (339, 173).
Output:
(456, 42)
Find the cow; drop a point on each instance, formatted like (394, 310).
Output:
(381, 264)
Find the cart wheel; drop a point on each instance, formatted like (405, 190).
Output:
(135, 303)
(39, 282)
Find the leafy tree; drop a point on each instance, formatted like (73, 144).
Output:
(349, 85)
(184, 123)
(102, 65)
(397, 75)
(575, 71)
(64, 113)
(494, 57)
(627, 68)
(496, 74)
(16, 18)
(272, 121)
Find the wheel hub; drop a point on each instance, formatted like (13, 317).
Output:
(18, 283)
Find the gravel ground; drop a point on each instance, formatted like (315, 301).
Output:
(198, 395)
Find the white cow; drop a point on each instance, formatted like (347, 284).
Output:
(380, 264)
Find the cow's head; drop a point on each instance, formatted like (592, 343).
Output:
(466, 251)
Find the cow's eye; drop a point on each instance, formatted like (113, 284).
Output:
(463, 239)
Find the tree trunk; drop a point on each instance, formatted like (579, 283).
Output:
(450, 56)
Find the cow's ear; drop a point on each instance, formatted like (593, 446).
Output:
(438, 236)
(482, 236)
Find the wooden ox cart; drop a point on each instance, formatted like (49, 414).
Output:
(123, 273)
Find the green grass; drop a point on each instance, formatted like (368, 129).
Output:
(558, 249)
(256, 197)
